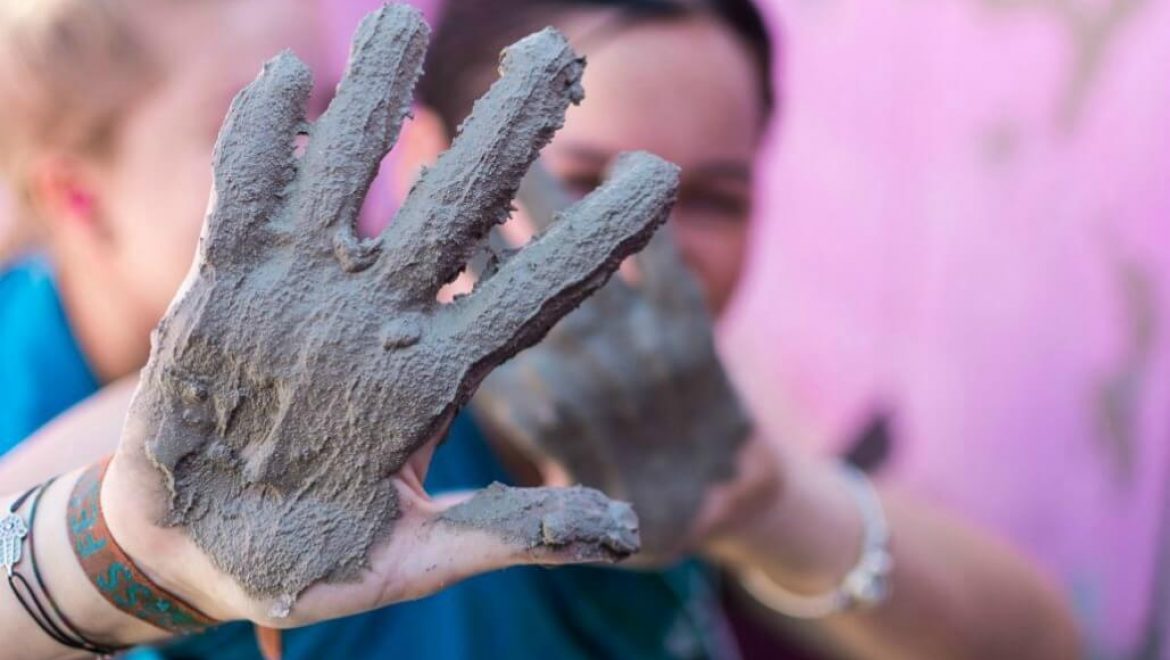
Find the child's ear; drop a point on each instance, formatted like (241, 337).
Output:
(419, 145)
(64, 192)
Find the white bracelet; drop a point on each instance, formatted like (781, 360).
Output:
(865, 585)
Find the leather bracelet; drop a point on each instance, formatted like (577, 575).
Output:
(113, 573)
(865, 585)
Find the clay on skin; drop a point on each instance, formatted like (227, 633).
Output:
(302, 366)
(579, 521)
(627, 392)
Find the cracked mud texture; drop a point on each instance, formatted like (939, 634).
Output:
(627, 392)
(301, 366)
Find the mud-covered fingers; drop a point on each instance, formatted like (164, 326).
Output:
(543, 198)
(471, 186)
(502, 526)
(363, 120)
(547, 525)
(558, 270)
(254, 161)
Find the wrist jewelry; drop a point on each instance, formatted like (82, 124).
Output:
(865, 585)
(51, 620)
(115, 575)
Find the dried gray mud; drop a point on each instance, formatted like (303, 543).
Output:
(627, 392)
(302, 366)
(578, 522)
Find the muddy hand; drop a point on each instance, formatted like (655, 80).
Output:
(299, 382)
(626, 394)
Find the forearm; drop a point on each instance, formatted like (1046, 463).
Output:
(80, 436)
(955, 593)
(66, 583)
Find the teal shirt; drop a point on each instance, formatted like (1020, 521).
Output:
(42, 371)
(524, 612)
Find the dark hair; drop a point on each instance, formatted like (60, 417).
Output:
(471, 33)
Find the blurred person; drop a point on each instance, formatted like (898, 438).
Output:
(586, 612)
(110, 114)
(647, 88)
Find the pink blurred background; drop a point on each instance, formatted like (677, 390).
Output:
(965, 221)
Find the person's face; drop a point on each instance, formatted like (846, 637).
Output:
(688, 91)
(152, 193)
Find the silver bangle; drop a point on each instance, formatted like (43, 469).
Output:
(865, 585)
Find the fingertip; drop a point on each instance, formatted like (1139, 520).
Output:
(550, 525)
(398, 16)
(288, 71)
(547, 51)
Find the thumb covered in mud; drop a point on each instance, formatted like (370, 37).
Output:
(546, 525)
(455, 536)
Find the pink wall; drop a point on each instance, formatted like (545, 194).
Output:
(341, 19)
(966, 219)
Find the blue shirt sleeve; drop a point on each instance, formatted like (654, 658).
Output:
(42, 369)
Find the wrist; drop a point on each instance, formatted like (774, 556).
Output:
(865, 585)
(68, 584)
(159, 562)
(804, 535)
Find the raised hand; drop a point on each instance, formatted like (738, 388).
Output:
(300, 381)
(626, 394)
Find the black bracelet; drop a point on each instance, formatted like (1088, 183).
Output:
(20, 500)
(32, 556)
(56, 625)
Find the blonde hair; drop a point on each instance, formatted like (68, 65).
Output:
(68, 71)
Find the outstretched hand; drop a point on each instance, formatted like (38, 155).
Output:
(627, 395)
(301, 379)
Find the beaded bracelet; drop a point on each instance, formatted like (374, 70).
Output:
(115, 575)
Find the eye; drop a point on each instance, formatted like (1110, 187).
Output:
(715, 205)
